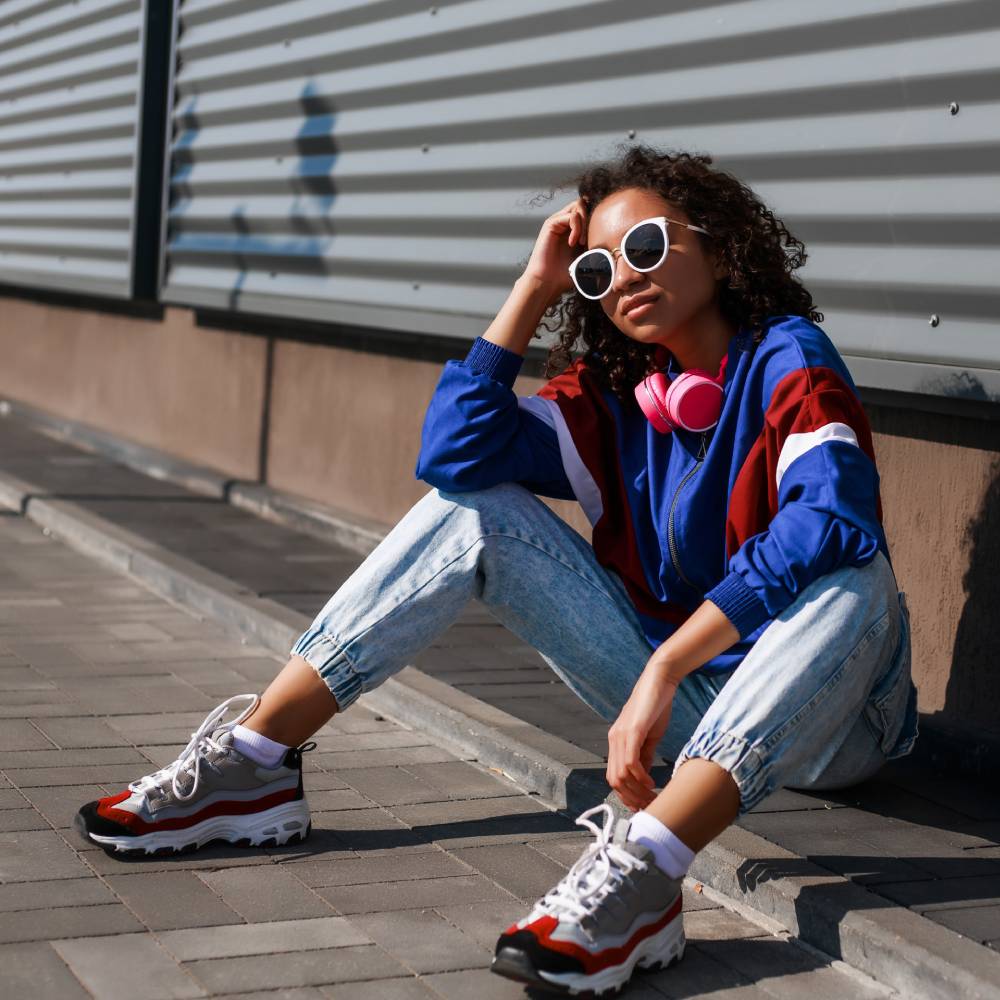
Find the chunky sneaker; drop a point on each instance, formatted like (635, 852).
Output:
(612, 911)
(211, 792)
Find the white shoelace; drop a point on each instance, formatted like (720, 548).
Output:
(598, 871)
(193, 755)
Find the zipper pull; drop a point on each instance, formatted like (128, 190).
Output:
(703, 450)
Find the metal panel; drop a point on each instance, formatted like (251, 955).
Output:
(69, 107)
(379, 163)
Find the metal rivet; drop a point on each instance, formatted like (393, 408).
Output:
(416, 286)
(425, 149)
(434, 10)
(287, 43)
(631, 133)
(935, 319)
(953, 107)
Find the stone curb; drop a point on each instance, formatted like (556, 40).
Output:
(894, 945)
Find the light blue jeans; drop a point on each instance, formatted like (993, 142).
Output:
(822, 700)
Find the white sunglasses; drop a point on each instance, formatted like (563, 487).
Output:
(645, 247)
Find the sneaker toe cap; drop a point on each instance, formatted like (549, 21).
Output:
(90, 821)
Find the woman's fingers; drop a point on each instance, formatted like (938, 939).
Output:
(626, 773)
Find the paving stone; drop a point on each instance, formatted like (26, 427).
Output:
(20, 734)
(565, 851)
(131, 694)
(410, 988)
(11, 798)
(385, 740)
(381, 758)
(785, 971)
(78, 733)
(481, 984)
(484, 922)
(719, 924)
(304, 968)
(367, 829)
(137, 631)
(698, 974)
(88, 774)
(266, 893)
(23, 679)
(695, 899)
(787, 800)
(320, 780)
(392, 868)
(81, 892)
(954, 891)
(391, 786)
(60, 803)
(37, 855)
(216, 856)
(126, 966)
(981, 923)
(13, 820)
(167, 900)
(336, 799)
(358, 720)
(423, 940)
(289, 993)
(522, 871)
(102, 756)
(477, 822)
(35, 970)
(263, 939)
(68, 922)
(411, 894)
(462, 780)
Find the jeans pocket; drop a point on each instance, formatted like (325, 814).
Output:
(888, 708)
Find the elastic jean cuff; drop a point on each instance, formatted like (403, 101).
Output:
(328, 659)
(735, 755)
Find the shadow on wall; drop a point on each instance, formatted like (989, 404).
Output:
(972, 685)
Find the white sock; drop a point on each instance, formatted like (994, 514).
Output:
(259, 749)
(672, 855)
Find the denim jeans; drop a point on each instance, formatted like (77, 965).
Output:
(821, 701)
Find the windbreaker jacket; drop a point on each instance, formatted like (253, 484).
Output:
(782, 491)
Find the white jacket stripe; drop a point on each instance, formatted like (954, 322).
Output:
(587, 493)
(796, 445)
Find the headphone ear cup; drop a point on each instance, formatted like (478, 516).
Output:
(651, 395)
(694, 401)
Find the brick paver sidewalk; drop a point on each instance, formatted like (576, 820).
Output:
(417, 860)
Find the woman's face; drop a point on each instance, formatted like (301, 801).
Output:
(682, 289)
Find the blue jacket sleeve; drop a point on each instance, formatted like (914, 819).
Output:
(827, 518)
(475, 435)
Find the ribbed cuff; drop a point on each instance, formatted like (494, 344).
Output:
(487, 358)
(739, 603)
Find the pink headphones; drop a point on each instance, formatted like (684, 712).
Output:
(691, 400)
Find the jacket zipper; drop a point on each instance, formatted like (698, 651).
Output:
(671, 540)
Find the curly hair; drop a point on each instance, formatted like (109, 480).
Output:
(757, 248)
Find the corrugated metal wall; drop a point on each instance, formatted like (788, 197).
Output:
(69, 108)
(374, 163)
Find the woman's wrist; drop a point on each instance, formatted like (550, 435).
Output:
(537, 289)
(666, 670)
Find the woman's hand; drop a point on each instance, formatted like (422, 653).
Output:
(563, 237)
(633, 738)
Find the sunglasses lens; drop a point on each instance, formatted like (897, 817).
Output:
(593, 274)
(644, 246)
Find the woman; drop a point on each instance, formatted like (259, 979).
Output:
(736, 611)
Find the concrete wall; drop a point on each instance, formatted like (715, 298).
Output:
(344, 429)
(196, 393)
